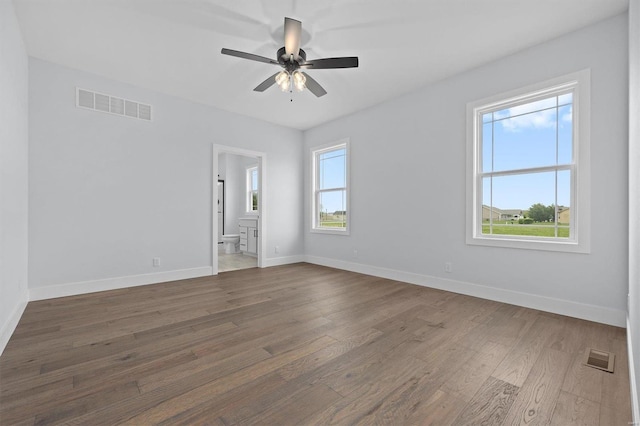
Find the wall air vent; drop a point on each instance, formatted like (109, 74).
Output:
(112, 105)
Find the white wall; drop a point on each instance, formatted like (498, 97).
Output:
(13, 172)
(634, 202)
(408, 185)
(109, 193)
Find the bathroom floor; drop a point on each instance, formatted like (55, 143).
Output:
(233, 262)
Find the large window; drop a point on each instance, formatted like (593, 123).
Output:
(330, 189)
(252, 190)
(529, 186)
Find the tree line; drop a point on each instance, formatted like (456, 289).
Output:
(541, 213)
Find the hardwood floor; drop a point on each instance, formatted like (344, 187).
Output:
(304, 344)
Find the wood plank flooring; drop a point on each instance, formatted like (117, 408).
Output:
(300, 345)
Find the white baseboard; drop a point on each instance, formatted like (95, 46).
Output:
(548, 304)
(83, 287)
(72, 289)
(9, 327)
(635, 401)
(285, 260)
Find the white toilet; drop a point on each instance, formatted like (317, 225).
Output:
(231, 242)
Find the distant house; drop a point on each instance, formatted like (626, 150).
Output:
(511, 214)
(499, 214)
(564, 214)
(490, 213)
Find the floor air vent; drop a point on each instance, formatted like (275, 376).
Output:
(599, 359)
(112, 105)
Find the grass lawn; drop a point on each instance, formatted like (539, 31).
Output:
(332, 224)
(536, 230)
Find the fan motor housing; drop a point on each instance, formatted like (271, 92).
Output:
(289, 65)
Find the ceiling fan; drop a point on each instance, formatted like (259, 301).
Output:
(291, 58)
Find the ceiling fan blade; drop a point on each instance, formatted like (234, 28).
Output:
(266, 84)
(327, 63)
(249, 56)
(292, 33)
(313, 86)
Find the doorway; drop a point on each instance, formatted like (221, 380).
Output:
(234, 200)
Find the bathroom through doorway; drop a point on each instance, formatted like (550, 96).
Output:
(238, 194)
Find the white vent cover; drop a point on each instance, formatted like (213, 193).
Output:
(112, 105)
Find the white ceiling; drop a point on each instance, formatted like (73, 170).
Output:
(173, 46)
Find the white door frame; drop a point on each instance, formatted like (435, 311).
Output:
(262, 190)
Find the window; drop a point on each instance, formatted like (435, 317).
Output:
(528, 181)
(330, 189)
(252, 190)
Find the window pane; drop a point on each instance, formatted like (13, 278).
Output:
(332, 209)
(252, 189)
(530, 197)
(487, 146)
(525, 108)
(486, 200)
(254, 179)
(565, 134)
(332, 168)
(564, 198)
(254, 200)
(522, 191)
(489, 214)
(525, 141)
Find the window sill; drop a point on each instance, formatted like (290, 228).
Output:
(329, 231)
(526, 244)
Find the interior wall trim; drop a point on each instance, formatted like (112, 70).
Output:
(9, 327)
(84, 287)
(635, 401)
(93, 286)
(548, 304)
(284, 260)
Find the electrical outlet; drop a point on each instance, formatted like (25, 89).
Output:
(355, 252)
(448, 267)
(156, 262)
(277, 249)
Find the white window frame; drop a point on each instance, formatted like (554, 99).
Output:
(250, 191)
(580, 233)
(315, 153)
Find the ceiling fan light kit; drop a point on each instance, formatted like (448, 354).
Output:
(299, 80)
(282, 79)
(291, 58)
